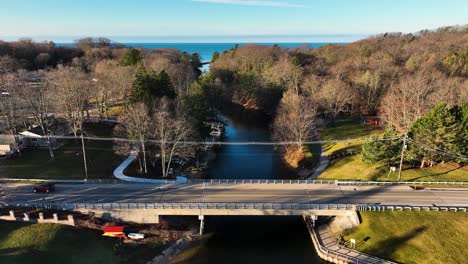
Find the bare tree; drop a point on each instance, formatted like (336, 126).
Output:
(138, 124)
(113, 85)
(71, 91)
(170, 132)
(410, 99)
(335, 96)
(295, 121)
(284, 73)
(38, 98)
(370, 89)
(11, 105)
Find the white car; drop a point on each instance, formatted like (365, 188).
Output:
(136, 236)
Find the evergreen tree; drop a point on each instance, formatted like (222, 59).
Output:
(382, 150)
(148, 86)
(438, 134)
(131, 57)
(163, 86)
(215, 56)
(140, 85)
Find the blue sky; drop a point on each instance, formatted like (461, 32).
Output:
(223, 20)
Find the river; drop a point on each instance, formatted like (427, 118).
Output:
(250, 239)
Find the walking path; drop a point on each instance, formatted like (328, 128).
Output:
(327, 240)
(323, 164)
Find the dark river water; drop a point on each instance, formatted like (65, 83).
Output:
(250, 239)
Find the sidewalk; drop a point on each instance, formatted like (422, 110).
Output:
(323, 164)
(326, 239)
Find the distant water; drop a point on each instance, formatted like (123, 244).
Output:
(206, 50)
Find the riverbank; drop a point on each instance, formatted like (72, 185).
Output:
(23, 242)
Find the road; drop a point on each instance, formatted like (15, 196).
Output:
(239, 193)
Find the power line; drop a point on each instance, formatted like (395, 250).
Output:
(189, 142)
(444, 152)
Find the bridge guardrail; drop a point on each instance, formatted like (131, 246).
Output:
(244, 181)
(410, 208)
(260, 206)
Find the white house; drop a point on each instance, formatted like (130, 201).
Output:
(33, 138)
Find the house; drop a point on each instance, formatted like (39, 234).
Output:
(34, 138)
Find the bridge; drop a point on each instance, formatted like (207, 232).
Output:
(146, 202)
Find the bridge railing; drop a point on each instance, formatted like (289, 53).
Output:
(410, 208)
(230, 206)
(242, 181)
(238, 206)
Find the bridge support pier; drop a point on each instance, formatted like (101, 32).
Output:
(313, 218)
(202, 223)
(157, 219)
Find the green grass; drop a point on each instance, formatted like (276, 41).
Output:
(413, 237)
(347, 130)
(49, 243)
(68, 162)
(353, 168)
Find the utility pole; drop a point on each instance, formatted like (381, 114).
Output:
(84, 157)
(402, 154)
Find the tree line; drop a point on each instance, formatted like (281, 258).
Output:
(156, 90)
(396, 77)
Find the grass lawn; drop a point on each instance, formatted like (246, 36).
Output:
(351, 129)
(353, 168)
(413, 237)
(49, 243)
(68, 162)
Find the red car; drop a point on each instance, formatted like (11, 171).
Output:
(47, 188)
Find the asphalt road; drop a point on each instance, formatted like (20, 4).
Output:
(241, 193)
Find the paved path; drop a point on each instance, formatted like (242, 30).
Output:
(238, 193)
(327, 240)
(323, 164)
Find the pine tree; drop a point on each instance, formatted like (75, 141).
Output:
(382, 150)
(131, 57)
(438, 134)
(164, 85)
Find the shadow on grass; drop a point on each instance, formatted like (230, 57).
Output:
(388, 247)
(435, 174)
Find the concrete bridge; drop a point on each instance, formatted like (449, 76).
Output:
(146, 202)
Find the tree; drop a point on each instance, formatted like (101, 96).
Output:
(148, 86)
(170, 131)
(370, 89)
(131, 57)
(113, 85)
(70, 88)
(439, 135)
(285, 74)
(215, 56)
(295, 121)
(11, 106)
(335, 97)
(409, 99)
(138, 125)
(38, 97)
(386, 149)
